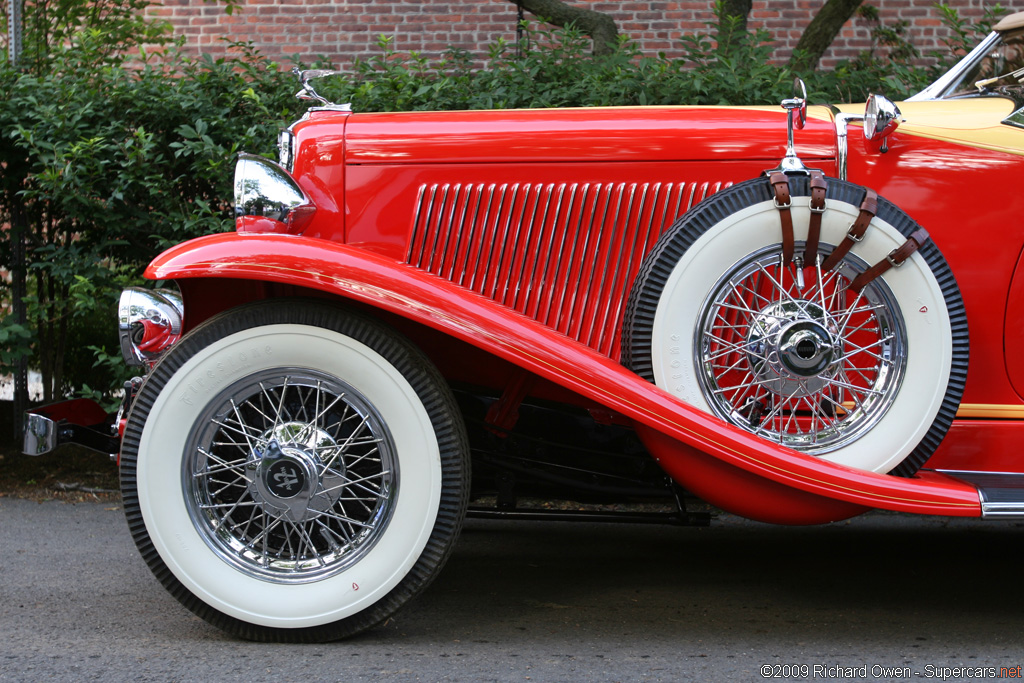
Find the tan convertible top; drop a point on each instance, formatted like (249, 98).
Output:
(1010, 22)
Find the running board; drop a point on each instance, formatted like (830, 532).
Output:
(1002, 494)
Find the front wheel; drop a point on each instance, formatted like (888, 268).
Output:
(293, 472)
(865, 377)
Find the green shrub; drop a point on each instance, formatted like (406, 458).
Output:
(111, 161)
(111, 154)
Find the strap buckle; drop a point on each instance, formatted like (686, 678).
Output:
(892, 261)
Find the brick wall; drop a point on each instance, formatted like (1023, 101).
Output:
(343, 29)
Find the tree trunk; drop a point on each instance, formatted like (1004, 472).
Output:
(738, 8)
(597, 25)
(729, 30)
(820, 33)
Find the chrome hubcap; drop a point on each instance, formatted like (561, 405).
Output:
(291, 481)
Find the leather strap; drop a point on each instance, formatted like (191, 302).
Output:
(780, 188)
(818, 189)
(895, 259)
(868, 209)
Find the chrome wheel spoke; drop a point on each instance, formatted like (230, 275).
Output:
(797, 359)
(293, 476)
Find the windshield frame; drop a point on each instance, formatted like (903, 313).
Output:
(948, 83)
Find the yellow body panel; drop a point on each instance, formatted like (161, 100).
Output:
(971, 121)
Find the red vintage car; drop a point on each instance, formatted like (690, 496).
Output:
(572, 303)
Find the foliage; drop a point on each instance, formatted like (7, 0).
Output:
(119, 25)
(963, 35)
(893, 65)
(111, 161)
(555, 68)
(115, 145)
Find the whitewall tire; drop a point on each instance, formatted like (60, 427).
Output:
(294, 472)
(871, 381)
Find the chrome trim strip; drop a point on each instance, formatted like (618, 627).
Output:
(437, 233)
(502, 265)
(458, 231)
(482, 236)
(703, 192)
(689, 202)
(573, 251)
(534, 302)
(603, 343)
(507, 246)
(449, 229)
(671, 219)
(650, 218)
(426, 222)
(502, 239)
(489, 234)
(527, 242)
(416, 230)
(470, 241)
(1001, 510)
(573, 317)
(582, 300)
(982, 481)
(611, 233)
(525, 283)
(969, 473)
(544, 311)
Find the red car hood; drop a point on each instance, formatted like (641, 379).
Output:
(602, 134)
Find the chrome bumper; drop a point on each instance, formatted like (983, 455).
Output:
(79, 421)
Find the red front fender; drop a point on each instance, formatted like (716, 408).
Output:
(730, 463)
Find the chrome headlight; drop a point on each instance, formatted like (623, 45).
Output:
(881, 117)
(264, 189)
(148, 323)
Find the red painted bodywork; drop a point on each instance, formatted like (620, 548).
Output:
(947, 187)
(421, 215)
(435, 302)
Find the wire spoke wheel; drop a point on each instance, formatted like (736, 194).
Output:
(870, 380)
(791, 354)
(292, 477)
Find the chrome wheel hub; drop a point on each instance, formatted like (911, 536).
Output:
(790, 349)
(290, 481)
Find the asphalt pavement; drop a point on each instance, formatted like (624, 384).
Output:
(888, 596)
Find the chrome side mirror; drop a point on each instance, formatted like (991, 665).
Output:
(797, 105)
(796, 118)
(881, 118)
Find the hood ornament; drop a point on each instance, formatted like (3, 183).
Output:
(308, 92)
